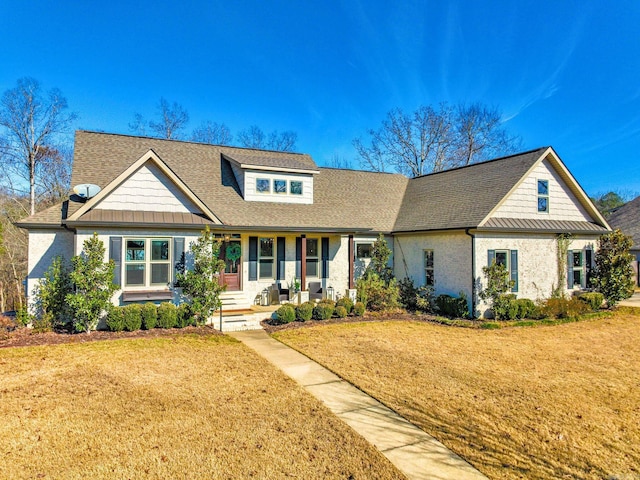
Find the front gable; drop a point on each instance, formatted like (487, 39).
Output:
(547, 192)
(148, 185)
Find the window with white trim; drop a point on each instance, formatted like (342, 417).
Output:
(280, 186)
(147, 262)
(576, 271)
(313, 254)
(429, 276)
(295, 187)
(543, 196)
(265, 258)
(263, 185)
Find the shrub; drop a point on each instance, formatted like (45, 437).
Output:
(115, 319)
(408, 294)
(375, 293)
(526, 308)
(564, 308)
(51, 294)
(43, 323)
(167, 315)
(23, 317)
(184, 316)
(341, 312)
(613, 275)
(149, 316)
(286, 313)
(345, 302)
(132, 317)
(323, 311)
(328, 301)
(498, 283)
(358, 309)
(304, 311)
(454, 307)
(508, 307)
(593, 299)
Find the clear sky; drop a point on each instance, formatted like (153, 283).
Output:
(565, 73)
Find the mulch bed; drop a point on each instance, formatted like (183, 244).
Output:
(23, 337)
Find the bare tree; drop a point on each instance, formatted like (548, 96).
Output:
(254, 137)
(213, 133)
(13, 255)
(54, 177)
(31, 122)
(172, 119)
(338, 161)
(434, 139)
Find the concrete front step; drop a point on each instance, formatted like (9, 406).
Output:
(239, 320)
(234, 301)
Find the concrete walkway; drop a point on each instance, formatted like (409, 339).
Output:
(634, 301)
(415, 453)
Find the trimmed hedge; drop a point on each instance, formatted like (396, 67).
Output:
(149, 316)
(115, 319)
(184, 317)
(132, 317)
(167, 315)
(323, 311)
(304, 312)
(345, 302)
(341, 312)
(286, 313)
(454, 307)
(358, 309)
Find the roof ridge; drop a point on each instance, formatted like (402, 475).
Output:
(176, 140)
(505, 157)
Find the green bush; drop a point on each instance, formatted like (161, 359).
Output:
(358, 309)
(508, 307)
(375, 293)
(323, 311)
(564, 308)
(340, 311)
(453, 307)
(345, 302)
(167, 315)
(304, 311)
(526, 308)
(286, 313)
(149, 316)
(43, 323)
(184, 317)
(328, 301)
(23, 317)
(593, 299)
(115, 319)
(132, 317)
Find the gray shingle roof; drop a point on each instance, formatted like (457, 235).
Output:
(462, 197)
(627, 219)
(267, 160)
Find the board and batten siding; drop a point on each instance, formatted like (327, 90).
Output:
(149, 190)
(523, 202)
(250, 193)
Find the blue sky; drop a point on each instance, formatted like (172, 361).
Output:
(565, 73)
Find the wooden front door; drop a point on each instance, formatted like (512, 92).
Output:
(231, 253)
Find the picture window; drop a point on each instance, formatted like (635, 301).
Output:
(263, 185)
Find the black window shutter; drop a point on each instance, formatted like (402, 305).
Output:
(115, 254)
(492, 257)
(325, 257)
(514, 270)
(569, 269)
(253, 258)
(281, 258)
(298, 257)
(178, 257)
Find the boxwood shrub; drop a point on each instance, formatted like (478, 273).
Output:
(184, 317)
(341, 311)
(358, 309)
(453, 307)
(323, 310)
(345, 302)
(593, 299)
(132, 317)
(167, 315)
(149, 316)
(304, 311)
(115, 319)
(286, 313)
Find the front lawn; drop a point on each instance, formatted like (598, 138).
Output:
(180, 407)
(557, 401)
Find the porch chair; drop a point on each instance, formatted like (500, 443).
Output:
(277, 294)
(315, 291)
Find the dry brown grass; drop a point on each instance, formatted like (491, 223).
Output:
(181, 407)
(547, 402)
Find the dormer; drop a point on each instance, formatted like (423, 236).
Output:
(280, 179)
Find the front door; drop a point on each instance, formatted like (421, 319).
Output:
(231, 253)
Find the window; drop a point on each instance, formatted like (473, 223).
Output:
(312, 257)
(502, 258)
(543, 196)
(280, 186)
(263, 185)
(508, 258)
(147, 262)
(295, 187)
(576, 268)
(429, 278)
(363, 250)
(265, 258)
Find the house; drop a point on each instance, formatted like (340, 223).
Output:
(627, 219)
(282, 217)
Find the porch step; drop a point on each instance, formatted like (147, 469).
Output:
(234, 301)
(233, 321)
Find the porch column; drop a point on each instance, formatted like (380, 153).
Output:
(303, 263)
(351, 266)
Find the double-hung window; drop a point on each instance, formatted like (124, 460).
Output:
(265, 258)
(508, 258)
(543, 196)
(579, 263)
(147, 262)
(312, 257)
(429, 277)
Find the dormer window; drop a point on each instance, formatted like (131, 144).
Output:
(543, 196)
(263, 185)
(280, 186)
(295, 187)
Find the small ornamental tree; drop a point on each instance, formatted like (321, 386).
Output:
(613, 274)
(498, 283)
(51, 293)
(200, 285)
(92, 280)
(380, 255)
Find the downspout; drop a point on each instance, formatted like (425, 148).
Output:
(473, 272)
